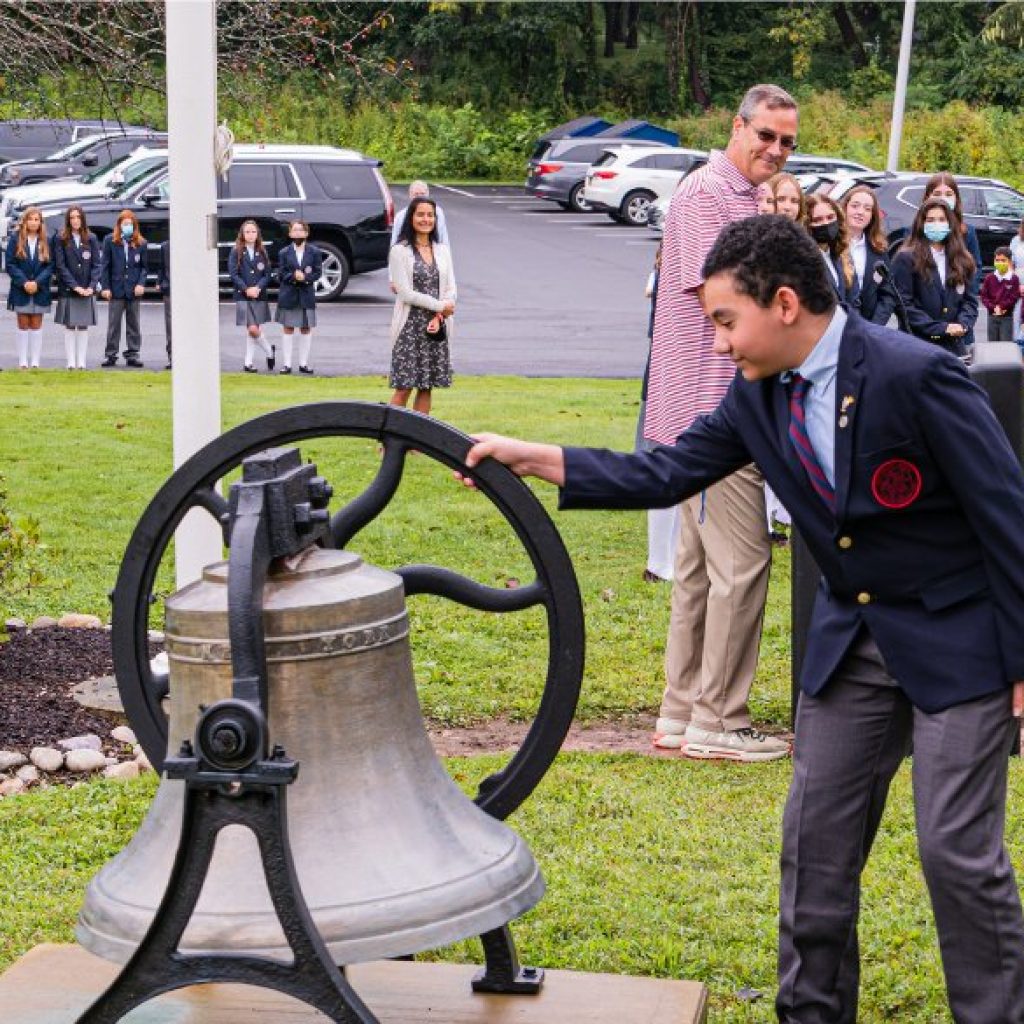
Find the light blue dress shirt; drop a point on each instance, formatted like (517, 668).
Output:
(820, 403)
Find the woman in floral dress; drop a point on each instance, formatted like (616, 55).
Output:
(421, 327)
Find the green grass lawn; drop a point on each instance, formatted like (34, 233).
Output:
(84, 454)
(654, 867)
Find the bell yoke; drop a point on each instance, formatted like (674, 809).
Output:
(294, 652)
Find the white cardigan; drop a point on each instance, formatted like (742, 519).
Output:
(400, 262)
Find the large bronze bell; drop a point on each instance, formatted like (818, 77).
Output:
(392, 857)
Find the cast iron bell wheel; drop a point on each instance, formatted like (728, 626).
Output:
(555, 587)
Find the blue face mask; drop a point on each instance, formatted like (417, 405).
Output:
(127, 230)
(936, 232)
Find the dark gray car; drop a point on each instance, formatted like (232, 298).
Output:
(79, 157)
(557, 168)
(33, 139)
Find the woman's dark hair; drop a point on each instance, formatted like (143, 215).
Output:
(770, 252)
(258, 244)
(408, 232)
(840, 248)
(67, 234)
(945, 178)
(960, 265)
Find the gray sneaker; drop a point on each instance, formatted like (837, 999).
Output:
(668, 734)
(735, 745)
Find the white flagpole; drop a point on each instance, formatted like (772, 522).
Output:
(195, 384)
(899, 100)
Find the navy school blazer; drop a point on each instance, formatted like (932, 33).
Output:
(23, 269)
(250, 273)
(76, 266)
(116, 276)
(294, 294)
(877, 292)
(926, 547)
(932, 305)
(849, 297)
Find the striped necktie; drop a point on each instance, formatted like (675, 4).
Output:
(802, 442)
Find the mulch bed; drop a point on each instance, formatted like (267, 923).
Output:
(39, 667)
(37, 670)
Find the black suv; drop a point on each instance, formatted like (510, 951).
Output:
(35, 139)
(78, 158)
(993, 208)
(340, 193)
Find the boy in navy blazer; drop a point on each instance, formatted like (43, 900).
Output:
(907, 492)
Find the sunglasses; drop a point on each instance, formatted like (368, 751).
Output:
(768, 137)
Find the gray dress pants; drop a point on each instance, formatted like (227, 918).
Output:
(127, 310)
(850, 740)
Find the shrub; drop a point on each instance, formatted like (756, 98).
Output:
(18, 543)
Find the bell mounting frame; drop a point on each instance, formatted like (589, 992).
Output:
(193, 485)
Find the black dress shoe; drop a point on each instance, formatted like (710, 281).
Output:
(305, 369)
(110, 361)
(249, 369)
(272, 358)
(285, 369)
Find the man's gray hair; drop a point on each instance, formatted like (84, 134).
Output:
(772, 96)
(418, 188)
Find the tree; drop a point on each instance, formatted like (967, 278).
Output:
(116, 50)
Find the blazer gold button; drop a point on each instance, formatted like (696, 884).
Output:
(845, 543)
(863, 597)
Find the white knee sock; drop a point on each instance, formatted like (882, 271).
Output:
(36, 343)
(305, 344)
(81, 347)
(264, 345)
(286, 341)
(249, 349)
(23, 347)
(69, 347)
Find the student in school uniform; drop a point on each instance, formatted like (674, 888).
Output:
(909, 496)
(77, 259)
(250, 270)
(935, 275)
(299, 266)
(30, 267)
(870, 257)
(824, 220)
(123, 279)
(163, 286)
(1000, 291)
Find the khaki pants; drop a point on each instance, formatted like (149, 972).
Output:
(718, 596)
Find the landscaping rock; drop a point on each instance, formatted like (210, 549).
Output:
(46, 759)
(9, 787)
(84, 760)
(14, 625)
(43, 622)
(124, 770)
(76, 620)
(90, 741)
(156, 636)
(11, 759)
(142, 761)
(124, 735)
(28, 774)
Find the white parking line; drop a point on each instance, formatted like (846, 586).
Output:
(645, 241)
(459, 191)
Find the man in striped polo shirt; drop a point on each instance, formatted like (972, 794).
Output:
(724, 552)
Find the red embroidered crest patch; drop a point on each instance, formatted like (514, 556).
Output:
(896, 483)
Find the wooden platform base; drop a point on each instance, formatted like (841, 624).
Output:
(54, 984)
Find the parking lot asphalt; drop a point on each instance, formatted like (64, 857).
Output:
(542, 292)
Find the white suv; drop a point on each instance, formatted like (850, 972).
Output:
(623, 183)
